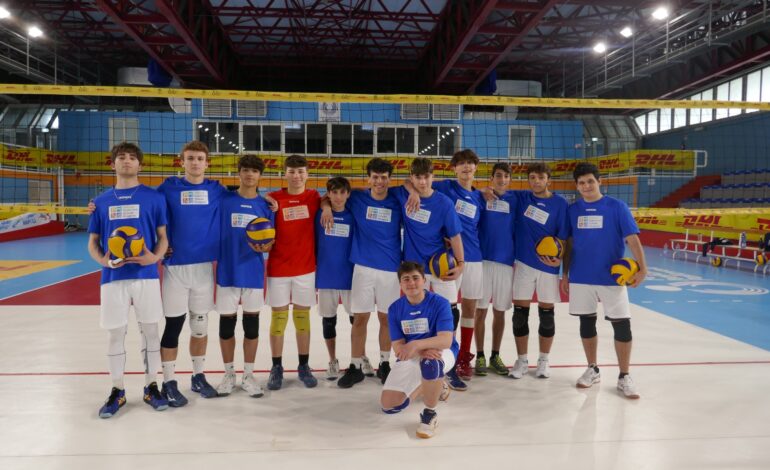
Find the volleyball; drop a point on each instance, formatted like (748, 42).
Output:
(260, 231)
(623, 270)
(716, 261)
(125, 242)
(761, 259)
(441, 263)
(550, 246)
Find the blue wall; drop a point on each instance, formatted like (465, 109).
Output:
(14, 190)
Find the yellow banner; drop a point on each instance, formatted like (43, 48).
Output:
(727, 223)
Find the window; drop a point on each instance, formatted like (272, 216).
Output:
(217, 108)
(206, 131)
(220, 137)
(707, 114)
(736, 94)
(521, 142)
(695, 112)
(766, 85)
(363, 139)
(680, 118)
(124, 130)
(252, 138)
(641, 123)
(341, 139)
(723, 94)
(753, 88)
(316, 139)
(271, 138)
(665, 120)
(294, 135)
(395, 140)
(652, 121)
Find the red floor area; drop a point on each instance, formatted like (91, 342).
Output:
(82, 290)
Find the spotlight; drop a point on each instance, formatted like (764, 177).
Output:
(626, 32)
(34, 32)
(600, 47)
(660, 13)
(4, 13)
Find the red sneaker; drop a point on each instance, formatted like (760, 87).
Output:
(463, 367)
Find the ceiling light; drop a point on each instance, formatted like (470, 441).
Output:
(600, 47)
(200, 126)
(34, 32)
(206, 129)
(4, 13)
(660, 13)
(626, 32)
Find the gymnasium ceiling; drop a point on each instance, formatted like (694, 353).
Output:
(386, 46)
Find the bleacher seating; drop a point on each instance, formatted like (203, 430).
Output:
(742, 188)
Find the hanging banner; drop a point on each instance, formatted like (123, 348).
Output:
(726, 223)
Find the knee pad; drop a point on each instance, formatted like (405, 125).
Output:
(199, 325)
(251, 326)
(329, 327)
(587, 326)
(278, 320)
(301, 319)
(622, 330)
(431, 369)
(520, 321)
(547, 325)
(397, 408)
(227, 326)
(171, 332)
(455, 316)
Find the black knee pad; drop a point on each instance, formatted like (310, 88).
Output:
(227, 326)
(622, 330)
(455, 316)
(251, 326)
(588, 326)
(547, 324)
(330, 327)
(352, 319)
(520, 321)
(170, 339)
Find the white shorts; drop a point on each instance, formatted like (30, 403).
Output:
(471, 281)
(498, 278)
(228, 299)
(527, 280)
(297, 290)
(584, 299)
(118, 296)
(446, 289)
(373, 289)
(329, 300)
(405, 376)
(188, 288)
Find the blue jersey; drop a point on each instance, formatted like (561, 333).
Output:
(333, 267)
(425, 230)
(598, 230)
(469, 205)
(193, 219)
(238, 265)
(536, 218)
(377, 239)
(496, 229)
(139, 207)
(424, 320)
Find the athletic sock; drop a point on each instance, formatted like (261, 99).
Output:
(198, 363)
(622, 374)
(303, 359)
(277, 361)
(523, 357)
(357, 361)
(494, 354)
(169, 370)
(229, 368)
(384, 356)
(480, 354)
(543, 356)
(466, 334)
(596, 369)
(248, 368)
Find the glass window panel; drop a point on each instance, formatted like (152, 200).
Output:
(521, 142)
(680, 118)
(341, 143)
(665, 120)
(736, 94)
(295, 138)
(652, 121)
(252, 138)
(707, 114)
(206, 131)
(271, 138)
(766, 85)
(405, 140)
(228, 137)
(641, 122)
(386, 140)
(363, 139)
(427, 141)
(723, 94)
(449, 141)
(695, 112)
(316, 139)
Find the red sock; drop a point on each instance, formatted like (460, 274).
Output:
(466, 337)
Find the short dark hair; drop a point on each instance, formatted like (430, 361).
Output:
(338, 182)
(127, 147)
(379, 165)
(410, 266)
(295, 161)
(195, 146)
(502, 166)
(252, 162)
(585, 168)
(539, 168)
(421, 166)
(462, 156)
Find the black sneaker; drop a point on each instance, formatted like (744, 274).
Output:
(352, 376)
(383, 371)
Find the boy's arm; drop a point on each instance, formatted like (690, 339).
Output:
(456, 243)
(95, 250)
(151, 257)
(564, 284)
(635, 245)
(442, 340)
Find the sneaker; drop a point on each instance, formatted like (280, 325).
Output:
(306, 376)
(333, 371)
(352, 376)
(275, 380)
(153, 397)
(481, 366)
(200, 385)
(227, 385)
(171, 393)
(463, 366)
(383, 371)
(455, 383)
(628, 387)
(444, 396)
(497, 365)
(543, 369)
(589, 377)
(428, 422)
(114, 402)
(366, 367)
(519, 369)
(249, 385)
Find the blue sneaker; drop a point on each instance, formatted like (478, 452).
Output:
(171, 393)
(455, 382)
(306, 376)
(116, 400)
(200, 385)
(275, 380)
(153, 397)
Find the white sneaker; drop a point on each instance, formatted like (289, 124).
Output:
(333, 371)
(427, 426)
(444, 396)
(366, 367)
(249, 385)
(227, 386)
(519, 369)
(543, 370)
(589, 377)
(628, 387)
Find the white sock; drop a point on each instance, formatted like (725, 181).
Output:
(357, 361)
(543, 355)
(384, 356)
(229, 368)
(198, 364)
(523, 357)
(169, 371)
(248, 368)
(116, 356)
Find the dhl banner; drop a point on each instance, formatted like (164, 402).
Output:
(727, 223)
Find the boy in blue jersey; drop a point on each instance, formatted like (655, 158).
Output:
(422, 330)
(334, 271)
(241, 275)
(497, 249)
(599, 227)
(132, 280)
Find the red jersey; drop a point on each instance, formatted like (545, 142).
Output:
(294, 251)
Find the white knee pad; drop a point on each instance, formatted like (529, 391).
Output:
(199, 325)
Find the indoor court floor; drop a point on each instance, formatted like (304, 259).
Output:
(701, 361)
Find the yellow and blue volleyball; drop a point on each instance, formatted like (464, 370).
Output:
(125, 242)
(623, 270)
(440, 263)
(716, 261)
(550, 246)
(260, 231)
(761, 259)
